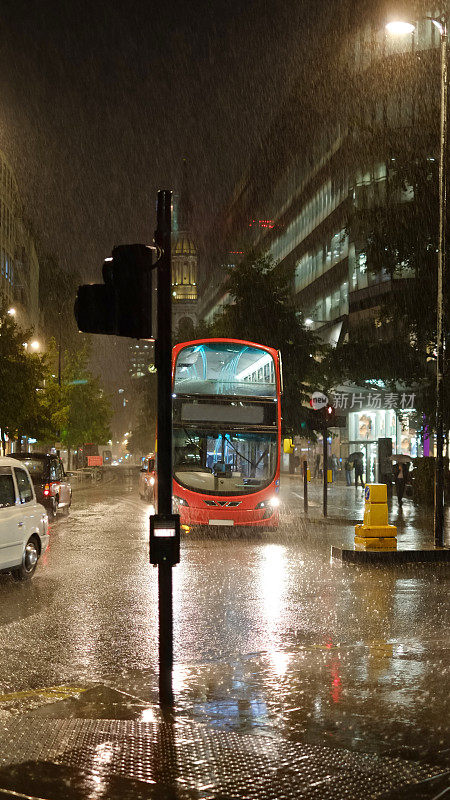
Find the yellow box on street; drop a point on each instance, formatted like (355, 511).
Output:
(375, 531)
(375, 514)
(375, 493)
(386, 543)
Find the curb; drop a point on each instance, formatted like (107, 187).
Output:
(329, 520)
(332, 520)
(441, 556)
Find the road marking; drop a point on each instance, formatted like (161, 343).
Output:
(51, 692)
(12, 793)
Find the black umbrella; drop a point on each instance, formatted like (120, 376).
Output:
(355, 456)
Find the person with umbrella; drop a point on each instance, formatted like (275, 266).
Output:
(348, 466)
(400, 471)
(358, 463)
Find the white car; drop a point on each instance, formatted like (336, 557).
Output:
(23, 522)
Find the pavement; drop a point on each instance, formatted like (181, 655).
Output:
(345, 506)
(295, 676)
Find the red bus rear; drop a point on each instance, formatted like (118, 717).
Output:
(226, 433)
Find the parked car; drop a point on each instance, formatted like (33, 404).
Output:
(23, 521)
(147, 479)
(50, 482)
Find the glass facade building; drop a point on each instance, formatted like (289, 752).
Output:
(19, 266)
(324, 163)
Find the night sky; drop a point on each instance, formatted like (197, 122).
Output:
(100, 102)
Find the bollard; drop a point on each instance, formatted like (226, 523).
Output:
(375, 531)
(330, 475)
(305, 486)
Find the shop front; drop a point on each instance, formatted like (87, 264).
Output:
(376, 421)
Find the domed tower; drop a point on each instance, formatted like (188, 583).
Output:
(184, 261)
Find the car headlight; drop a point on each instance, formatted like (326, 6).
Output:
(152, 481)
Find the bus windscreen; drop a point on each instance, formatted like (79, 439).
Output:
(217, 461)
(225, 368)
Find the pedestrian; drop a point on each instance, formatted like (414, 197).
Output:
(401, 472)
(359, 471)
(334, 467)
(348, 466)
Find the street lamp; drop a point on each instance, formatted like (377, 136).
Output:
(399, 27)
(309, 321)
(34, 345)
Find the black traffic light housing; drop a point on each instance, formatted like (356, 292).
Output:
(165, 539)
(122, 305)
(325, 417)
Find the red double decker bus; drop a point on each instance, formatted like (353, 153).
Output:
(226, 433)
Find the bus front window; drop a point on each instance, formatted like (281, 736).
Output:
(222, 462)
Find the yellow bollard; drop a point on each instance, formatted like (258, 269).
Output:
(308, 474)
(329, 476)
(375, 532)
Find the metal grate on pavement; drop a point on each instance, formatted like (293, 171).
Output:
(188, 760)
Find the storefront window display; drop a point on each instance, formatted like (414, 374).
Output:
(366, 427)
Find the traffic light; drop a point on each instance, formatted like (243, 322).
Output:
(122, 305)
(330, 416)
(325, 417)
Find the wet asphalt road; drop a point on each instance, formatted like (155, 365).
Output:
(270, 635)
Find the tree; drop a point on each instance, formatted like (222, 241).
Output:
(21, 380)
(143, 434)
(263, 312)
(77, 409)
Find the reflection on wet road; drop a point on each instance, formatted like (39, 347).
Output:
(270, 636)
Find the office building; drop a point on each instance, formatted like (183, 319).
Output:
(330, 155)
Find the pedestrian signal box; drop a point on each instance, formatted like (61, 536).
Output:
(165, 539)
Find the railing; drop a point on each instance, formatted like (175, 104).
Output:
(85, 475)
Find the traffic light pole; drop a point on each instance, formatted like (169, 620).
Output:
(164, 368)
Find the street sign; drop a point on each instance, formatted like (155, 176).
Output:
(318, 400)
(95, 461)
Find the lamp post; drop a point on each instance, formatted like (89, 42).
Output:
(399, 27)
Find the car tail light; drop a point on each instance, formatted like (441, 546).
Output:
(47, 490)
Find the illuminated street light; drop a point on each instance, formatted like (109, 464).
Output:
(35, 345)
(309, 321)
(398, 28)
(12, 312)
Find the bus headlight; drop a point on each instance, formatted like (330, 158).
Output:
(179, 501)
(272, 502)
